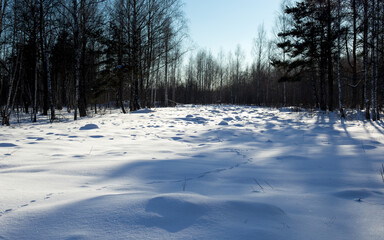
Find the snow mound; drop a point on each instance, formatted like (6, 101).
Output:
(223, 123)
(172, 215)
(175, 212)
(89, 127)
(196, 120)
(144, 110)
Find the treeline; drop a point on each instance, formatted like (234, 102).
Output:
(338, 47)
(80, 53)
(326, 54)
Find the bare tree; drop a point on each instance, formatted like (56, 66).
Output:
(353, 63)
(239, 56)
(16, 63)
(76, 39)
(221, 73)
(5, 113)
(46, 45)
(282, 24)
(259, 53)
(167, 34)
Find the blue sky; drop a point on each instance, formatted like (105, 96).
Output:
(215, 24)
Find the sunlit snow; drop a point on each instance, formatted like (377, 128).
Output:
(193, 172)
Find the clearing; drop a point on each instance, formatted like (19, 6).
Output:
(193, 172)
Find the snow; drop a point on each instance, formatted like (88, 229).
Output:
(89, 127)
(193, 172)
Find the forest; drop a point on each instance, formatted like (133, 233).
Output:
(83, 55)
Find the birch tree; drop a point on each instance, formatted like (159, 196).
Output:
(259, 45)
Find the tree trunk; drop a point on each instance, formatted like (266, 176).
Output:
(329, 57)
(120, 76)
(35, 90)
(377, 19)
(166, 74)
(82, 104)
(134, 103)
(365, 60)
(49, 80)
(77, 56)
(373, 62)
(46, 64)
(166, 39)
(354, 56)
(339, 59)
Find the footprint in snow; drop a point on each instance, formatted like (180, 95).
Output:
(36, 138)
(373, 142)
(48, 196)
(61, 135)
(228, 119)
(176, 138)
(292, 158)
(7, 145)
(357, 194)
(369, 147)
(96, 136)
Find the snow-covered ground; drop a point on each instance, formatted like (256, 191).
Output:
(193, 172)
